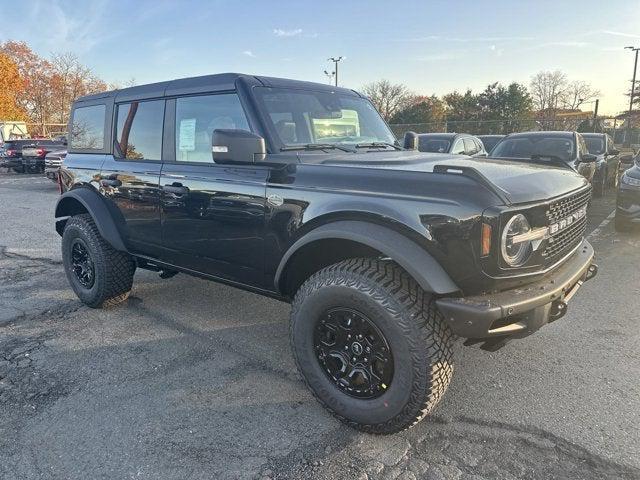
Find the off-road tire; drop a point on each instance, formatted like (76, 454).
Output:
(420, 341)
(113, 269)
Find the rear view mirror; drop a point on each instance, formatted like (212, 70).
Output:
(588, 158)
(410, 141)
(237, 146)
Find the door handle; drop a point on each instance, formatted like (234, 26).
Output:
(176, 189)
(110, 182)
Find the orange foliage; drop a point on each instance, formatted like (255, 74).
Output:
(11, 86)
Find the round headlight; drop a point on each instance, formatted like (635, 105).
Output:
(516, 251)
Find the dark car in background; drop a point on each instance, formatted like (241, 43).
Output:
(606, 174)
(628, 199)
(12, 154)
(454, 143)
(33, 155)
(52, 163)
(567, 149)
(490, 141)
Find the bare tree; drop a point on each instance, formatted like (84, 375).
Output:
(388, 98)
(548, 90)
(577, 93)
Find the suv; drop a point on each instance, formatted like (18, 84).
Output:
(12, 154)
(453, 143)
(607, 162)
(567, 149)
(33, 156)
(299, 191)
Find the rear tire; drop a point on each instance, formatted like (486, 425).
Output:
(18, 169)
(419, 341)
(99, 275)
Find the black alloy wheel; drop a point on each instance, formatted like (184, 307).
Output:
(353, 353)
(82, 263)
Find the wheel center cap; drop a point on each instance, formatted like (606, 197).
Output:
(356, 348)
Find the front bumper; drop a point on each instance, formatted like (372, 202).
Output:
(628, 203)
(497, 317)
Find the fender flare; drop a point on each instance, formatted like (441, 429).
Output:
(93, 203)
(409, 255)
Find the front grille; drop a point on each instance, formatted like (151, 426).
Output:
(569, 237)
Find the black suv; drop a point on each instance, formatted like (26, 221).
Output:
(299, 191)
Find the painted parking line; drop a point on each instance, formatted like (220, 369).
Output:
(598, 230)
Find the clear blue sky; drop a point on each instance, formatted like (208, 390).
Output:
(432, 46)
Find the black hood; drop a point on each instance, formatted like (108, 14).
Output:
(519, 182)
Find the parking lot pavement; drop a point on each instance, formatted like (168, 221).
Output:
(193, 380)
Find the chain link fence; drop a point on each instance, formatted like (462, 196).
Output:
(610, 125)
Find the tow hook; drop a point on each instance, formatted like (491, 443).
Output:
(591, 272)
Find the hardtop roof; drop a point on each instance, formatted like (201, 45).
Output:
(206, 83)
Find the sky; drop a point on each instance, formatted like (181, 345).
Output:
(433, 47)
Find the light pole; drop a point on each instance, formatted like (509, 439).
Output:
(627, 136)
(335, 61)
(330, 75)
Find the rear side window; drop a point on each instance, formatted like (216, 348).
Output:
(470, 147)
(139, 133)
(197, 118)
(87, 129)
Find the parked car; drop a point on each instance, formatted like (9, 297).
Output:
(607, 163)
(299, 191)
(52, 163)
(453, 143)
(490, 141)
(12, 154)
(567, 149)
(628, 198)
(33, 156)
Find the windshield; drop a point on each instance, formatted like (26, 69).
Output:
(434, 145)
(595, 145)
(535, 145)
(303, 117)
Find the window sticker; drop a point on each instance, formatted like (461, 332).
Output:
(187, 140)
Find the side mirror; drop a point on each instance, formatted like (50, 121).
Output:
(588, 158)
(237, 146)
(410, 141)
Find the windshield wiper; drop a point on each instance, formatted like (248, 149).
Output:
(377, 145)
(316, 146)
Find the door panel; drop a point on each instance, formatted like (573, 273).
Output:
(133, 187)
(213, 219)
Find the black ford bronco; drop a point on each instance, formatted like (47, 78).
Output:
(299, 191)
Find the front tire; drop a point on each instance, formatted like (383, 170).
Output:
(378, 301)
(99, 275)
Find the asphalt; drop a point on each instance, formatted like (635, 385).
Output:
(194, 380)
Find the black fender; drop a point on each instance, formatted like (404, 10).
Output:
(408, 254)
(94, 204)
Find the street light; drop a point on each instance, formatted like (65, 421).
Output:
(335, 62)
(330, 75)
(627, 137)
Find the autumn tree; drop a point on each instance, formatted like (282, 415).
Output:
(11, 87)
(387, 97)
(420, 110)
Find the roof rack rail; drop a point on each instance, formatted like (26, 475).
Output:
(474, 174)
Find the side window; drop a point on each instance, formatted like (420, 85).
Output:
(582, 146)
(470, 147)
(197, 118)
(479, 145)
(139, 130)
(458, 147)
(87, 129)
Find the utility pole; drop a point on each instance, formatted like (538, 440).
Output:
(627, 136)
(335, 62)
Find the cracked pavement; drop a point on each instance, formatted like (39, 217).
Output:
(194, 380)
